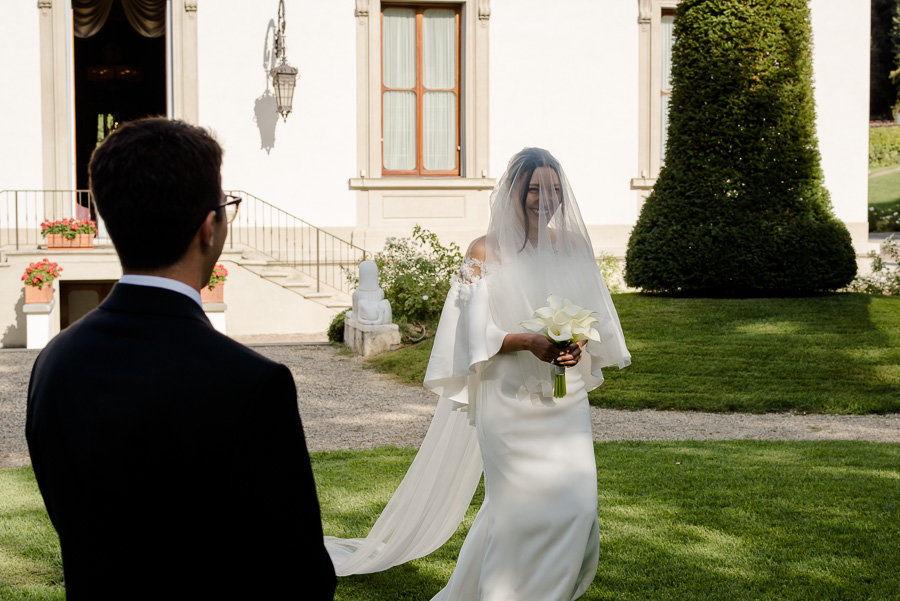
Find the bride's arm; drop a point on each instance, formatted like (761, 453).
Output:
(538, 345)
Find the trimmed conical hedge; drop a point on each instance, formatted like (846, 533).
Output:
(740, 207)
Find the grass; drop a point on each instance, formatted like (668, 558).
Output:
(706, 521)
(884, 189)
(830, 354)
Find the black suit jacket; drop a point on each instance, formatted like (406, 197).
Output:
(172, 459)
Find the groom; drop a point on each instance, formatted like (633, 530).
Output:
(171, 459)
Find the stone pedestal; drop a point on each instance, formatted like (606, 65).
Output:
(216, 314)
(367, 340)
(37, 324)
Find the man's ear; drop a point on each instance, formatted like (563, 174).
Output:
(207, 230)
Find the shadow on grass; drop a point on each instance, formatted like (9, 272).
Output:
(705, 521)
(747, 520)
(821, 354)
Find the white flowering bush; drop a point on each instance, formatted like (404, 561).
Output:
(415, 274)
(611, 269)
(884, 219)
(885, 276)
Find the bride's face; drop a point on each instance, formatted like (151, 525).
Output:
(544, 194)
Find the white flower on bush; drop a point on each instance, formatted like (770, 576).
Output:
(563, 321)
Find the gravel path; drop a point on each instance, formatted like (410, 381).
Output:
(345, 406)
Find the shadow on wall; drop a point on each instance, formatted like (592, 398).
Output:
(15, 336)
(265, 113)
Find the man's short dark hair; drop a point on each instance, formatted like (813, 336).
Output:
(154, 181)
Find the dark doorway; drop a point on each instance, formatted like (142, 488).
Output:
(120, 75)
(78, 298)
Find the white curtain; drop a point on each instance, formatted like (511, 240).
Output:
(147, 17)
(399, 107)
(439, 127)
(667, 26)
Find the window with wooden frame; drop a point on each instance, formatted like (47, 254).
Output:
(420, 88)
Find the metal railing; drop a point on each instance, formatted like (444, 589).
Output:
(292, 242)
(283, 239)
(23, 211)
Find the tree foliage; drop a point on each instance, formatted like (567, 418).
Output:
(884, 59)
(740, 207)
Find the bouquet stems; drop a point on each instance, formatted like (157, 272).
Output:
(559, 381)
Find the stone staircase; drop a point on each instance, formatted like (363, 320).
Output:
(289, 278)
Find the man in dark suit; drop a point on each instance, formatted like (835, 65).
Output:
(171, 459)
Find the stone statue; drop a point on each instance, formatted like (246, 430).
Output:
(369, 304)
(369, 327)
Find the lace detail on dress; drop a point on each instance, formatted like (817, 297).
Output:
(466, 278)
(467, 274)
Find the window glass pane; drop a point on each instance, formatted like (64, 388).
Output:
(399, 53)
(439, 131)
(399, 130)
(667, 26)
(439, 52)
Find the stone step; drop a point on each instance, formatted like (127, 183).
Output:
(296, 284)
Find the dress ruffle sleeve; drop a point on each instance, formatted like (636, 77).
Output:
(466, 338)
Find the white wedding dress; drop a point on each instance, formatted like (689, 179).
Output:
(536, 535)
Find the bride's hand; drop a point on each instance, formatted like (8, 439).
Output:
(571, 355)
(545, 350)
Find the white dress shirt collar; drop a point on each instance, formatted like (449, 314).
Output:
(159, 282)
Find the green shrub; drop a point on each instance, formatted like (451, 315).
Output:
(740, 207)
(415, 275)
(336, 327)
(884, 146)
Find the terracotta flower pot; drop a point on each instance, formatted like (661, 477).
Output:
(216, 295)
(33, 294)
(56, 241)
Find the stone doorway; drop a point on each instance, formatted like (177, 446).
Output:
(119, 75)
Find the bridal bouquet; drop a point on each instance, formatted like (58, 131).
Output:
(563, 322)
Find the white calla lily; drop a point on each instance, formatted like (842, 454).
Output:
(560, 334)
(534, 325)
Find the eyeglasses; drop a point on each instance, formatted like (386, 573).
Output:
(230, 205)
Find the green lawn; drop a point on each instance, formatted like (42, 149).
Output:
(884, 199)
(705, 521)
(884, 189)
(830, 354)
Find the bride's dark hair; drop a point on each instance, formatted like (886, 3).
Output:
(523, 164)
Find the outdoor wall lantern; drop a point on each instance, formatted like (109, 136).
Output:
(284, 76)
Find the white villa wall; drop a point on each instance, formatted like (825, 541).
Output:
(841, 66)
(20, 103)
(314, 151)
(564, 76)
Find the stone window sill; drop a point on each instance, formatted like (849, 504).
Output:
(421, 183)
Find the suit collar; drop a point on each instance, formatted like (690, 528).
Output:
(128, 298)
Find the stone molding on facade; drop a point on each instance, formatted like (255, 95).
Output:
(484, 9)
(649, 41)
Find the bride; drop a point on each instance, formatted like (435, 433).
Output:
(536, 536)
